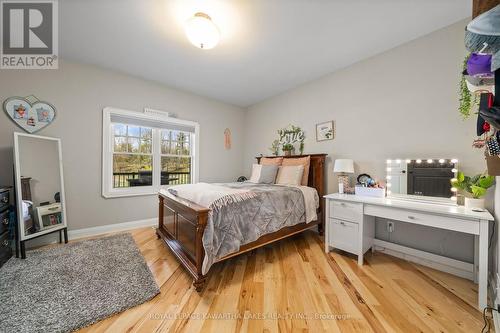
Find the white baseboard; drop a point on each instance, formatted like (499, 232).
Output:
(448, 265)
(117, 227)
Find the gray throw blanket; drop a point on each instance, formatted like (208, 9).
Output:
(238, 223)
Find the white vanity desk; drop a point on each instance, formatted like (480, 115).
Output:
(350, 226)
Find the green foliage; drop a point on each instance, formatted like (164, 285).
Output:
(287, 147)
(275, 147)
(476, 185)
(465, 95)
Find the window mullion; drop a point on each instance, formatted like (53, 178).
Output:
(156, 149)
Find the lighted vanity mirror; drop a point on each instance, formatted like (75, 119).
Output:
(421, 179)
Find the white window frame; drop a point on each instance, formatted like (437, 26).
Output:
(107, 152)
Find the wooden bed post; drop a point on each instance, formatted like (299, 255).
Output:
(160, 216)
(199, 281)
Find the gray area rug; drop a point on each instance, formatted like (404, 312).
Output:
(68, 287)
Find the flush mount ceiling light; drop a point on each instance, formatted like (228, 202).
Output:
(202, 32)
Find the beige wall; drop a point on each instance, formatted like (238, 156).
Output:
(80, 92)
(400, 104)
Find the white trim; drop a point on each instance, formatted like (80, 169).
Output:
(496, 320)
(493, 289)
(117, 227)
(18, 174)
(107, 147)
(448, 265)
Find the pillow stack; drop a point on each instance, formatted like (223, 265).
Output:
(282, 171)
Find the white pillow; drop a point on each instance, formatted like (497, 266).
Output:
(290, 175)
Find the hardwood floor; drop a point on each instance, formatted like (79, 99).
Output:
(293, 286)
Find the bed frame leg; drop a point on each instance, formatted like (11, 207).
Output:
(320, 229)
(199, 283)
(157, 234)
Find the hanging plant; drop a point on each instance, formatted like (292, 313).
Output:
(465, 95)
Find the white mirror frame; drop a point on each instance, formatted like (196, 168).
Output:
(452, 201)
(19, 199)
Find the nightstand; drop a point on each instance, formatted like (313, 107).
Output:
(347, 228)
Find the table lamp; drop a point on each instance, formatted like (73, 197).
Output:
(343, 167)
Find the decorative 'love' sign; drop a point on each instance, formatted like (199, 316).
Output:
(29, 113)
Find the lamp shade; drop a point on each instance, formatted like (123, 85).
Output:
(343, 165)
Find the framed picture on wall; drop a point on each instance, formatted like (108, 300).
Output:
(325, 131)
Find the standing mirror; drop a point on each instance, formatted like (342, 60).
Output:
(422, 179)
(39, 187)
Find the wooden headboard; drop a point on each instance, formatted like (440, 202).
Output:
(316, 172)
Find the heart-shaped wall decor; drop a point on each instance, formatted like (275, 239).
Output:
(29, 113)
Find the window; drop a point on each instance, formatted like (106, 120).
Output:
(143, 152)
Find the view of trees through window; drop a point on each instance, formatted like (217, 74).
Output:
(133, 156)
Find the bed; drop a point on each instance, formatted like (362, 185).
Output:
(183, 223)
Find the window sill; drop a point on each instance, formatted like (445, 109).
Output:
(128, 194)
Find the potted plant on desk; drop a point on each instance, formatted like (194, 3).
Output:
(475, 186)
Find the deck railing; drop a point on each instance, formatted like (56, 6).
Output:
(122, 179)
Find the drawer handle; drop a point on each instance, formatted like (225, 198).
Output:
(342, 223)
(5, 243)
(411, 217)
(342, 204)
(5, 199)
(5, 221)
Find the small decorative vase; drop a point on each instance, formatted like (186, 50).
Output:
(288, 153)
(474, 203)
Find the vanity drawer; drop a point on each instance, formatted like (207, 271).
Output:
(343, 235)
(4, 221)
(348, 211)
(427, 219)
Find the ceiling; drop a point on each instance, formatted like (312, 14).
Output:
(266, 47)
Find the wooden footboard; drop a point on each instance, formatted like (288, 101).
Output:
(181, 224)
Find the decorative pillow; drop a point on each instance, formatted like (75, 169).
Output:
(305, 161)
(271, 161)
(290, 175)
(263, 174)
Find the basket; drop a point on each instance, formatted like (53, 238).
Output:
(370, 191)
(493, 164)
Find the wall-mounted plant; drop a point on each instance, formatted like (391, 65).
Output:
(468, 100)
(465, 95)
(289, 137)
